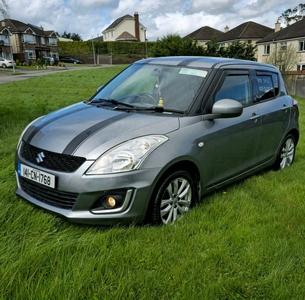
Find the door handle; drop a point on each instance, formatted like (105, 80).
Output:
(254, 116)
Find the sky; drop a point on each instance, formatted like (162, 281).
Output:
(89, 18)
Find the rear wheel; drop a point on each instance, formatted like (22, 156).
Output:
(3, 66)
(173, 198)
(286, 154)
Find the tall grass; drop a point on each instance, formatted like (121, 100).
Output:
(243, 242)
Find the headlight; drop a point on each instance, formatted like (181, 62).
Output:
(126, 156)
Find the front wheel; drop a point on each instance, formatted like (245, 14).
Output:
(286, 154)
(173, 198)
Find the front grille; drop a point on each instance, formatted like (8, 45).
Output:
(49, 196)
(51, 160)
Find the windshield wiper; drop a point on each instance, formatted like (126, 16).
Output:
(112, 101)
(158, 109)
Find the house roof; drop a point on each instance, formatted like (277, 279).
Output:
(126, 36)
(246, 31)
(118, 21)
(204, 33)
(17, 26)
(296, 30)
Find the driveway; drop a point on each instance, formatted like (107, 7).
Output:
(7, 75)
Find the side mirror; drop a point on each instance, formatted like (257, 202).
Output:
(225, 108)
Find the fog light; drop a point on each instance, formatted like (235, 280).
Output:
(112, 201)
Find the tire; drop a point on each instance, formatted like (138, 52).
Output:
(286, 154)
(173, 197)
(3, 66)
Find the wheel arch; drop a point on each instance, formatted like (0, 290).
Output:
(295, 133)
(184, 165)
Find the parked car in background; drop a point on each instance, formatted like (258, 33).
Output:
(6, 63)
(49, 60)
(70, 60)
(156, 139)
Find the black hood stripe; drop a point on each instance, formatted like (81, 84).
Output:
(72, 146)
(30, 133)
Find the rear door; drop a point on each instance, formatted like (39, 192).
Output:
(274, 108)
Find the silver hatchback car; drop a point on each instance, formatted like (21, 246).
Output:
(156, 139)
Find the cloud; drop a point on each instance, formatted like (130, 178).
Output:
(89, 18)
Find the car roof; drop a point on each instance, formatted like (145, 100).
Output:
(201, 62)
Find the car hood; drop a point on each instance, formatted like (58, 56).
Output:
(88, 131)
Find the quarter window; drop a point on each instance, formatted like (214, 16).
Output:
(235, 87)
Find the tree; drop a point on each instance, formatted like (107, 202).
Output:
(4, 8)
(284, 60)
(240, 50)
(290, 16)
(174, 45)
(72, 36)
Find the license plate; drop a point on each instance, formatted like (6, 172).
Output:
(36, 175)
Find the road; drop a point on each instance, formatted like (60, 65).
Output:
(7, 75)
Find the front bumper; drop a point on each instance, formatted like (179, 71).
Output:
(76, 195)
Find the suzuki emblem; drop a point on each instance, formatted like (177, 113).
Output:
(40, 157)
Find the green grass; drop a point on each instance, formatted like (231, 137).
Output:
(243, 242)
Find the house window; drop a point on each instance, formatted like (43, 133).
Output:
(31, 54)
(302, 45)
(52, 41)
(5, 38)
(267, 49)
(29, 38)
(283, 46)
(112, 34)
(301, 67)
(43, 41)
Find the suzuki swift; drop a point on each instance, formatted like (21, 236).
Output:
(156, 139)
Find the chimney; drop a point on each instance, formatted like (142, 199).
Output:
(3, 24)
(226, 29)
(277, 26)
(137, 26)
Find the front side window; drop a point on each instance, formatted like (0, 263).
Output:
(143, 85)
(235, 87)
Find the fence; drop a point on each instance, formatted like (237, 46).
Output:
(296, 84)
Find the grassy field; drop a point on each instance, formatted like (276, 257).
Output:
(243, 242)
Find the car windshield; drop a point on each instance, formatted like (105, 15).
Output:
(144, 85)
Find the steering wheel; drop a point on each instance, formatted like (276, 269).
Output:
(148, 98)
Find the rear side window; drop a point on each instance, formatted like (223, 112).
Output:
(235, 87)
(268, 85)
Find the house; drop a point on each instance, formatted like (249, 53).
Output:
(204, 35)
(280, 41)
(127, 29)
(249, 32)
(30, 42)
(5, 45)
